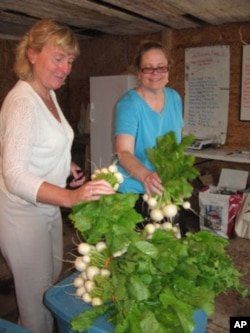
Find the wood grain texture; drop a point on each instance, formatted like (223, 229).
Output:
(120, 17)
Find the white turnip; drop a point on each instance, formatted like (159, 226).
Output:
(83, 248)
(86, 298)
(78, 282)
(100, 246)
(156, 215)
(91, 271)
(186, 205)
(150, 228)
(96, 301)
(89, 285)
(170, 210)
(80, 291)
(112, 168)
(80, 266)
(152, 202)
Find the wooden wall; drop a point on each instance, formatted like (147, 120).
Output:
(234, 35)
(109, 55)
(7, 76)
(113, 55)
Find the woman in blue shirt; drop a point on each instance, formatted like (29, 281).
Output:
(143, 114)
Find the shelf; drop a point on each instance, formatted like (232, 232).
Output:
(236, 156)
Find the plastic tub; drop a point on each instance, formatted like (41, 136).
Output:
(65, 307)
(9, 327)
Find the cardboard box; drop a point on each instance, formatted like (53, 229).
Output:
(65, 307)
(219, 205)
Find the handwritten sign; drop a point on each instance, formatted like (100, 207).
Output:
(245, 89)
(207, 92)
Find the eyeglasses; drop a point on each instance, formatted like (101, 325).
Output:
(151, 70)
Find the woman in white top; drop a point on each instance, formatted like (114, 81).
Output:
(35, 161)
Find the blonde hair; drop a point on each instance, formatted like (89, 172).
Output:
(43, 32)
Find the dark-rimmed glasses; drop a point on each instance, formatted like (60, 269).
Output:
(151, 70)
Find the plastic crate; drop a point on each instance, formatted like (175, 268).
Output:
(65, 307)
(9, 327)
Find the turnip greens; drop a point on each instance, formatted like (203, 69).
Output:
(149, 281)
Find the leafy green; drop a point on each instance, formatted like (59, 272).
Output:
(112, 217)
(175, 169)
(157, 284)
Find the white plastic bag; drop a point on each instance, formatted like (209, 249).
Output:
(218, 211)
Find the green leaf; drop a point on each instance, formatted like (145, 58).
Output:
(156, 284)
(147, 248)
(85, 320)
(174, 168)
(137, 289)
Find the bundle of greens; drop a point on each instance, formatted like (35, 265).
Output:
(150, 281)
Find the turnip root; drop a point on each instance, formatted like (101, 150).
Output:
(112, 168)
(91, 271)
(86, 298)
(186, 205)
(80, 266)
(78, 282)
(150, 228)
(119, 177)
(156, 215)
(167, 226)
(152, 202)
(96, 301)
(100, 246)
(170, 210)
(105, 272)
(89, 285)
(80, 291)
(83, 248)
(86, 259)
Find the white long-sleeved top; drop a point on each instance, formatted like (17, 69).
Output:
(34, 146)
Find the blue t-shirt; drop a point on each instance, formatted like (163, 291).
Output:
(135, 117)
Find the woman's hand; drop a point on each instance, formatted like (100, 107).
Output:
(92, 190)
(152, 183)
(77, 177)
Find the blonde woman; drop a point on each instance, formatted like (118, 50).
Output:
(35, 161)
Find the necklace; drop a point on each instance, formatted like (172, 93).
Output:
(47, 100)
(51, 106)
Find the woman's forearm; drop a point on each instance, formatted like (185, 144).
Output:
(133, 166)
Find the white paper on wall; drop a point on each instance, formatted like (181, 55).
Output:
(207, 78)
(245, 89)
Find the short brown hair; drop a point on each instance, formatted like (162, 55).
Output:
(146, 46)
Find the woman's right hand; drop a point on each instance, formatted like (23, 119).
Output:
(92, 190)
(152, 183)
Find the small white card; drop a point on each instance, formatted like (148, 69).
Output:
(233, 179)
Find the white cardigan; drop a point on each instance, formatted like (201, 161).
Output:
(34, 146)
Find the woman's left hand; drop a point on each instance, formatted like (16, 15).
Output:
(77, 177)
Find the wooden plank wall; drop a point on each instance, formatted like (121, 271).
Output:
(113, 55)
(234, 35)
(7, 76)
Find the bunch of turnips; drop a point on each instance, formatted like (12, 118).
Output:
(110, 174)
(148, 280)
